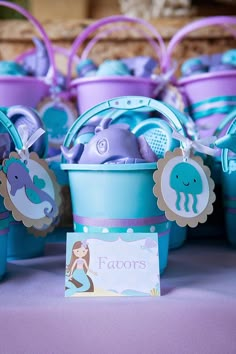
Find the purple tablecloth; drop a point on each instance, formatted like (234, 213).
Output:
(196, 314)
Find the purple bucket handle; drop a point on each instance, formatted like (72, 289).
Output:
(56, 50)
(105, 33)
(51, 75)
(112, 19)
(223, 21)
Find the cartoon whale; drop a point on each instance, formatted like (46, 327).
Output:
(111, 144)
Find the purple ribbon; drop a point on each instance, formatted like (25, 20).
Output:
(4, 215)
(4, 231)
(228, 197)
(119, 222)
(231, 210)
(164, 233)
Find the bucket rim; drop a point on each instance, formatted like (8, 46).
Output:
(23, 79)
(107, 79)
(205, 76)
(109, 167)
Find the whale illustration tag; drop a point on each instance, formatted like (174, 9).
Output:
(184, 188)
(30, 190)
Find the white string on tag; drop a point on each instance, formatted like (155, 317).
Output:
(27, 141)
(200, 145)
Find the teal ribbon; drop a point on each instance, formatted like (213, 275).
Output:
(211, 106)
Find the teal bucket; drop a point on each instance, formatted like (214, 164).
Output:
(4, 214)
(4, 222)
(229, 200)
(229, 188)
(178, 236)
(21, 244)
(119, 197)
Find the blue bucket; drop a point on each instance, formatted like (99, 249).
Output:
(4, 223)
(21, 244)
(178, 236)
(229, 189)
(4, 214)
(115, 197)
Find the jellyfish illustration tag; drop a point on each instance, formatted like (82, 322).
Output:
(30, 191)
(184, 188)
(58, 115)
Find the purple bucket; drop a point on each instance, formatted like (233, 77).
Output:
(109, 87)
(209, 96)
(27, 90)
(104, 88)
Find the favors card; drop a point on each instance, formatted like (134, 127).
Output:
(114, 264)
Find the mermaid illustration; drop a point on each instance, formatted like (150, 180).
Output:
(77, 270)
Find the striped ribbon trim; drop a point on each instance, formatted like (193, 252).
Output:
(119, 222)
(164, 233)
(231, 210)
(228, 197)
(4, 231)
(230, 204)
(214, 105)
(4, 215)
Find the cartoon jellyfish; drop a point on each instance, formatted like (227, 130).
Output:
(185, 178)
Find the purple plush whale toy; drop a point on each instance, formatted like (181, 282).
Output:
(111, 144)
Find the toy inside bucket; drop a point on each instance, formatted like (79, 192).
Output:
(209, 95)
(106, 86)
(228, 160)
(118, 197)
(4, 213)
(58, 110)
(18, 88)
(61, 56)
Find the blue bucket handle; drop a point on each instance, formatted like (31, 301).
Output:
(226, 120)
(225, 152)
(9, 126)
(127, 103)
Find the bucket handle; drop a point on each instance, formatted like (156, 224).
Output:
(173, 116)
(107, 32)
(9, 126)
(224, 21)
(51, 74)
(56, 50)
(225, 152)
(108, 20)
(226, 120)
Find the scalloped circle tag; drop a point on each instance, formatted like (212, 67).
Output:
(184, 189)
(30, 190)
(58, 116)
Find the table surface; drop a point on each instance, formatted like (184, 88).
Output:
(195, 314)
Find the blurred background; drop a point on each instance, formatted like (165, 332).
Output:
(93, 9)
